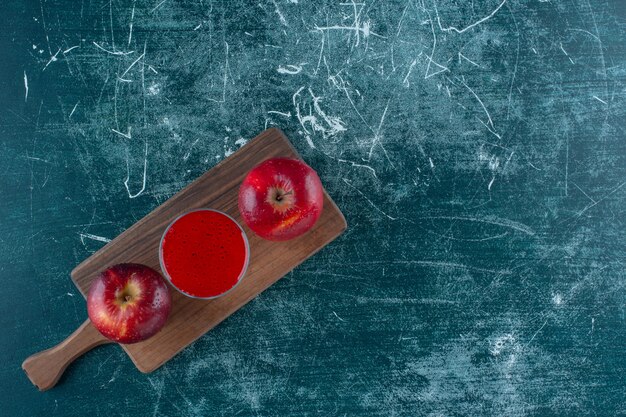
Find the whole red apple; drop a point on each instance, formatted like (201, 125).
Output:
(128, 303)
(281, 198)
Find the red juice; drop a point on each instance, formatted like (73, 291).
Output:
(204, 253)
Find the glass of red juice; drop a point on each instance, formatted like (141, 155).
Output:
(204, 253)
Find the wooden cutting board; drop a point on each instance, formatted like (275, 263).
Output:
(191, 318)
(269, 261)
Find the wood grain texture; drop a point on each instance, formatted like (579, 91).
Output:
(269, 261)
(45, 368)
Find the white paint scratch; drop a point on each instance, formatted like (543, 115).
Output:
(280, 15)
(489, 125)
(126, 135)
(377, 133)
(468, 60)
(408, 73)
(70, 49)
(143, 84)
(53, 58)
(92, 237)
(600, 100)
(113, 52)
(364, 28)
(289, 69)
(145, 166)
(288, 114)
(341, 85)
(328, 126)
(580, 213)
(158, 5)
(133, 64)
(73, 110)
(585, 31)
(582, 191)
(565, 52)
(437, 264)
(428, 74)
(508, 108)
(354, 164)
(537, 332)
(338, 317)
(188, 153)
(566, 164)
(368, 200)
(34, 158)
(130, 25)
(319, 59)
(158, 388)
(454, 29)
(488, 220)
(226, 69)
(25, 87)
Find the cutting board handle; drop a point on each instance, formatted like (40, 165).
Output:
(45, 368)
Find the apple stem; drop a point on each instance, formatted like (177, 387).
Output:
(127, 298)
(280, 196)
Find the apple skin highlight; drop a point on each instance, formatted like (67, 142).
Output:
(129, 303)
(281, 199)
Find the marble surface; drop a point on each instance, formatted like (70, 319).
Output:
(477, 150)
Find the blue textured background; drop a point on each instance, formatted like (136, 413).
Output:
(477, 149)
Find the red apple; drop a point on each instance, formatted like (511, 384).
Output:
(281, 198)
(128, 303)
